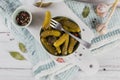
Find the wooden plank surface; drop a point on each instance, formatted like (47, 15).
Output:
(16, 74)
(11, 69)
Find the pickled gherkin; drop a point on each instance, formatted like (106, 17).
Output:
(60, 41)
(48, 46)
(70, 26)
(46, 22)
(60, 19)
(65, 45)
(47, 33)
(71, 45)
(58, 50)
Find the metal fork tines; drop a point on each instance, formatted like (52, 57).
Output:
(56, 25)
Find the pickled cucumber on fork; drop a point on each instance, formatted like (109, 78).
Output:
(48, 46)
(59, 19)
(72, 44)
(47, 33)
(70, 26)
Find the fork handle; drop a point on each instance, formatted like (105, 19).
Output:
(83, 42)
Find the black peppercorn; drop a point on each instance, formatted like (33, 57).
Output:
(95, 19)
(91, 66)
(104, 69)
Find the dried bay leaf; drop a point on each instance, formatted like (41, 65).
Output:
(41, 4)
(17, 55)
(22, 47)
(86, 11)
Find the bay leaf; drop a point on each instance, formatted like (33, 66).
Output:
(22, 48)
(16, 55)
(41, 4)
(85, 12)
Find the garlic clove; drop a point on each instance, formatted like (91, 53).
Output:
(102, 14)
(102, 9)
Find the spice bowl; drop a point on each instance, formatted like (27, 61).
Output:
(21, 17)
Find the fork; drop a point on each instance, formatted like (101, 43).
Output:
(56, 25)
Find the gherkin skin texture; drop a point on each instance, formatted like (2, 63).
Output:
(58, 50)
(48, 46)
(47, 33)
(60, 41)
(71, 45)
(46, 22)
(70, 26)
(65, 45)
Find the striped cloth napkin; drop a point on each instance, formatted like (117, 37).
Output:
(100, 43)
(45, 68)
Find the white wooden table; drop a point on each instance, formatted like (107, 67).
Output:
(11, 69)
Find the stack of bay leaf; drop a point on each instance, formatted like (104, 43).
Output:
(17, 55)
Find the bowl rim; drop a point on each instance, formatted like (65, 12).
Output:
(15, 13)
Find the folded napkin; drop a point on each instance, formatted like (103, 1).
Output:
(100, 43)
(45, 68)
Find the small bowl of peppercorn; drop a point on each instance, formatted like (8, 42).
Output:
(21, 17)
